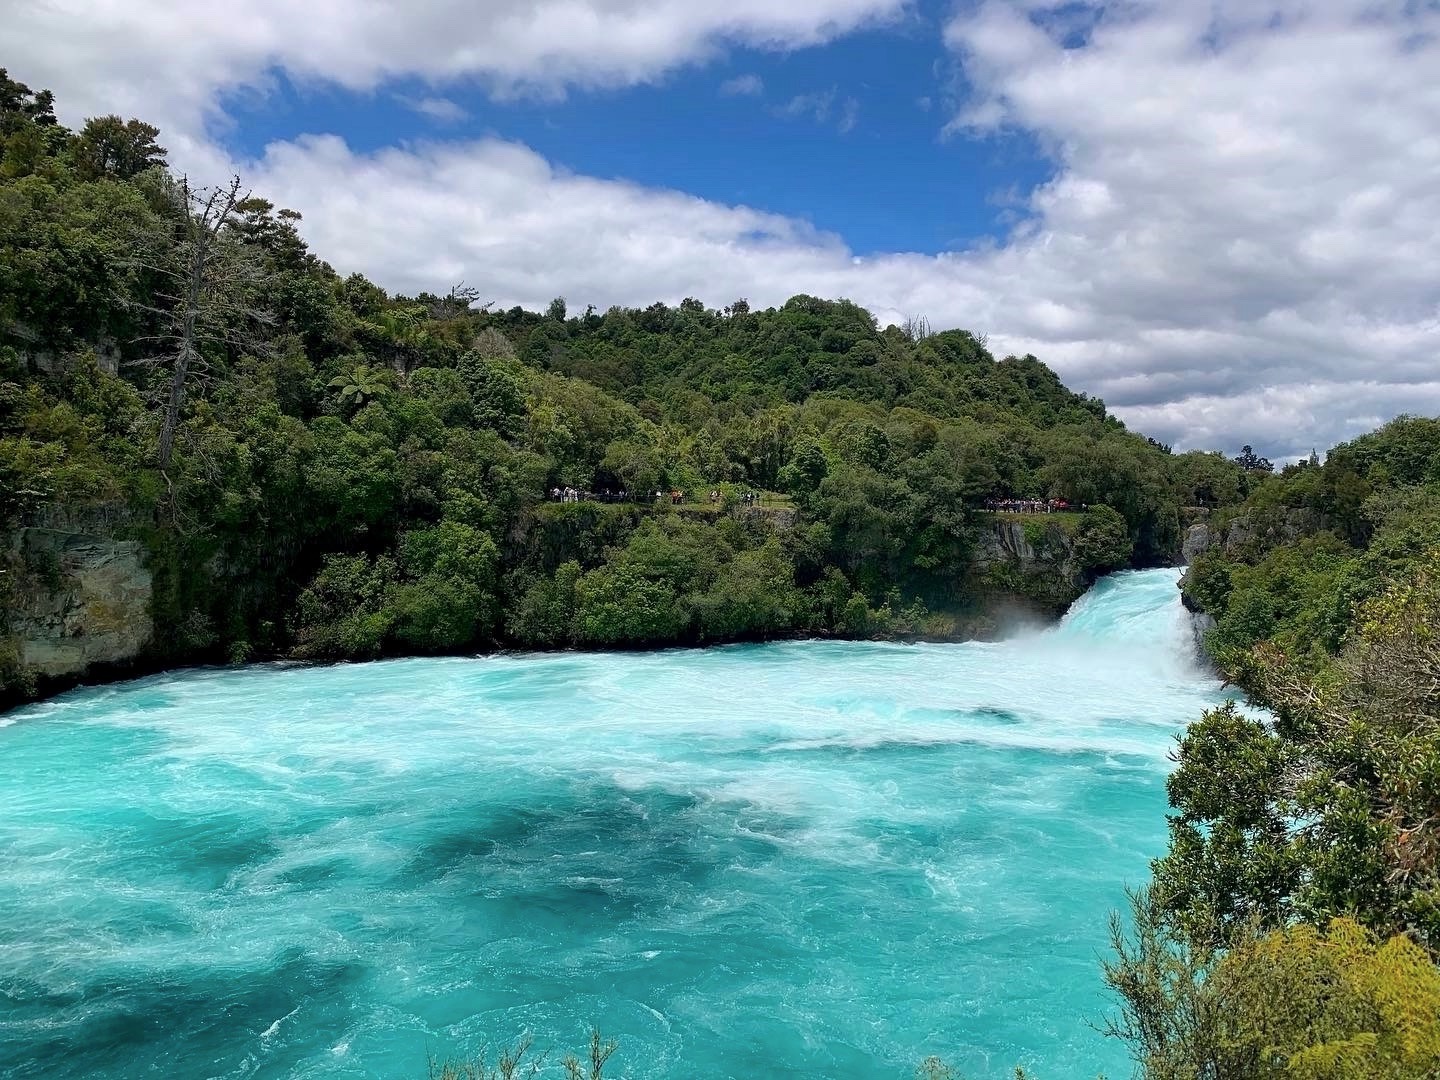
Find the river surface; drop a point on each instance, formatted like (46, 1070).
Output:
(812, 859)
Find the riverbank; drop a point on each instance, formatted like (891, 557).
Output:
(85, 587)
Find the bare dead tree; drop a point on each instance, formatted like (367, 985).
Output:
(916, 327)
(212, 276)
(461, 298)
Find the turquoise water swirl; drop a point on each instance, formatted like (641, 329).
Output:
(812, 859)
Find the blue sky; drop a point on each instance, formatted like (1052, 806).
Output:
(1232, 234)
(847, 136)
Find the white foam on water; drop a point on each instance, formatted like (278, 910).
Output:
(804, 858)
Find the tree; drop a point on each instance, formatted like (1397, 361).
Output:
(19, 105)
(916, 328)
(458, 301)
(807, 467)
(1297, 1003)
(1102, 542)
(621, 606)
(593, 1068)
(491, 344)
(399, 333)
(497, 387)
(1329, 808)
(108, 147)
(29, 132)
(1250, 461)
(448, 601)
(362, 383)
(212, 275)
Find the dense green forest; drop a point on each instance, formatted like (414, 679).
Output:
(320, 470)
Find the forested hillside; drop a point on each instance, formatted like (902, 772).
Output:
(305, 466)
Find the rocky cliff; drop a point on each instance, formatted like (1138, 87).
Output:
(78, 594)
(1029, 557)
(1249, 535)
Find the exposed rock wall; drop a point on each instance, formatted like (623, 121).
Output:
(79, 595)
(33, 354)
(1199, 538)
(1252, 534)
(1030, 559)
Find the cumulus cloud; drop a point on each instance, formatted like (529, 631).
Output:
(504, 219)
(1243, 235)
(1240, 241)
(743, 86)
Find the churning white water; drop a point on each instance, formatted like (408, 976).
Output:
(807, 859)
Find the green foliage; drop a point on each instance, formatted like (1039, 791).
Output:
(497, 391)
(1296, 1003)
(1207, 480)
(1102, 541)
(1312, 544)
(17, 681)
(620, 605)
(1326, 809)
(345, 612)
(1231, 858)
(448, 599)
(360, 384)
(1292, 926)
(436, 595)
(753, 594)
(120, 150)
(1337, 1005)
(544, 616)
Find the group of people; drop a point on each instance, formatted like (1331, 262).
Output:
(570, 494)
(1029, 506)
(747, 498)
(675, 496)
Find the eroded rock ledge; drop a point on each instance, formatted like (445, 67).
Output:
(79, 592)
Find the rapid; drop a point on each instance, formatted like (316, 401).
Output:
(809, 859)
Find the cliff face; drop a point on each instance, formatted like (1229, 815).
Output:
(1029, 558)
(1250, 535)
(1199, 538)
(79, 594)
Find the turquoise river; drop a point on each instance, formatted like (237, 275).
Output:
(811, 859)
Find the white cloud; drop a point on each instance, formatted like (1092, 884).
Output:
(1241, 242)
(168, 59)
(1244, 231)
(441, 110)
(743, 86)
(500, 216)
